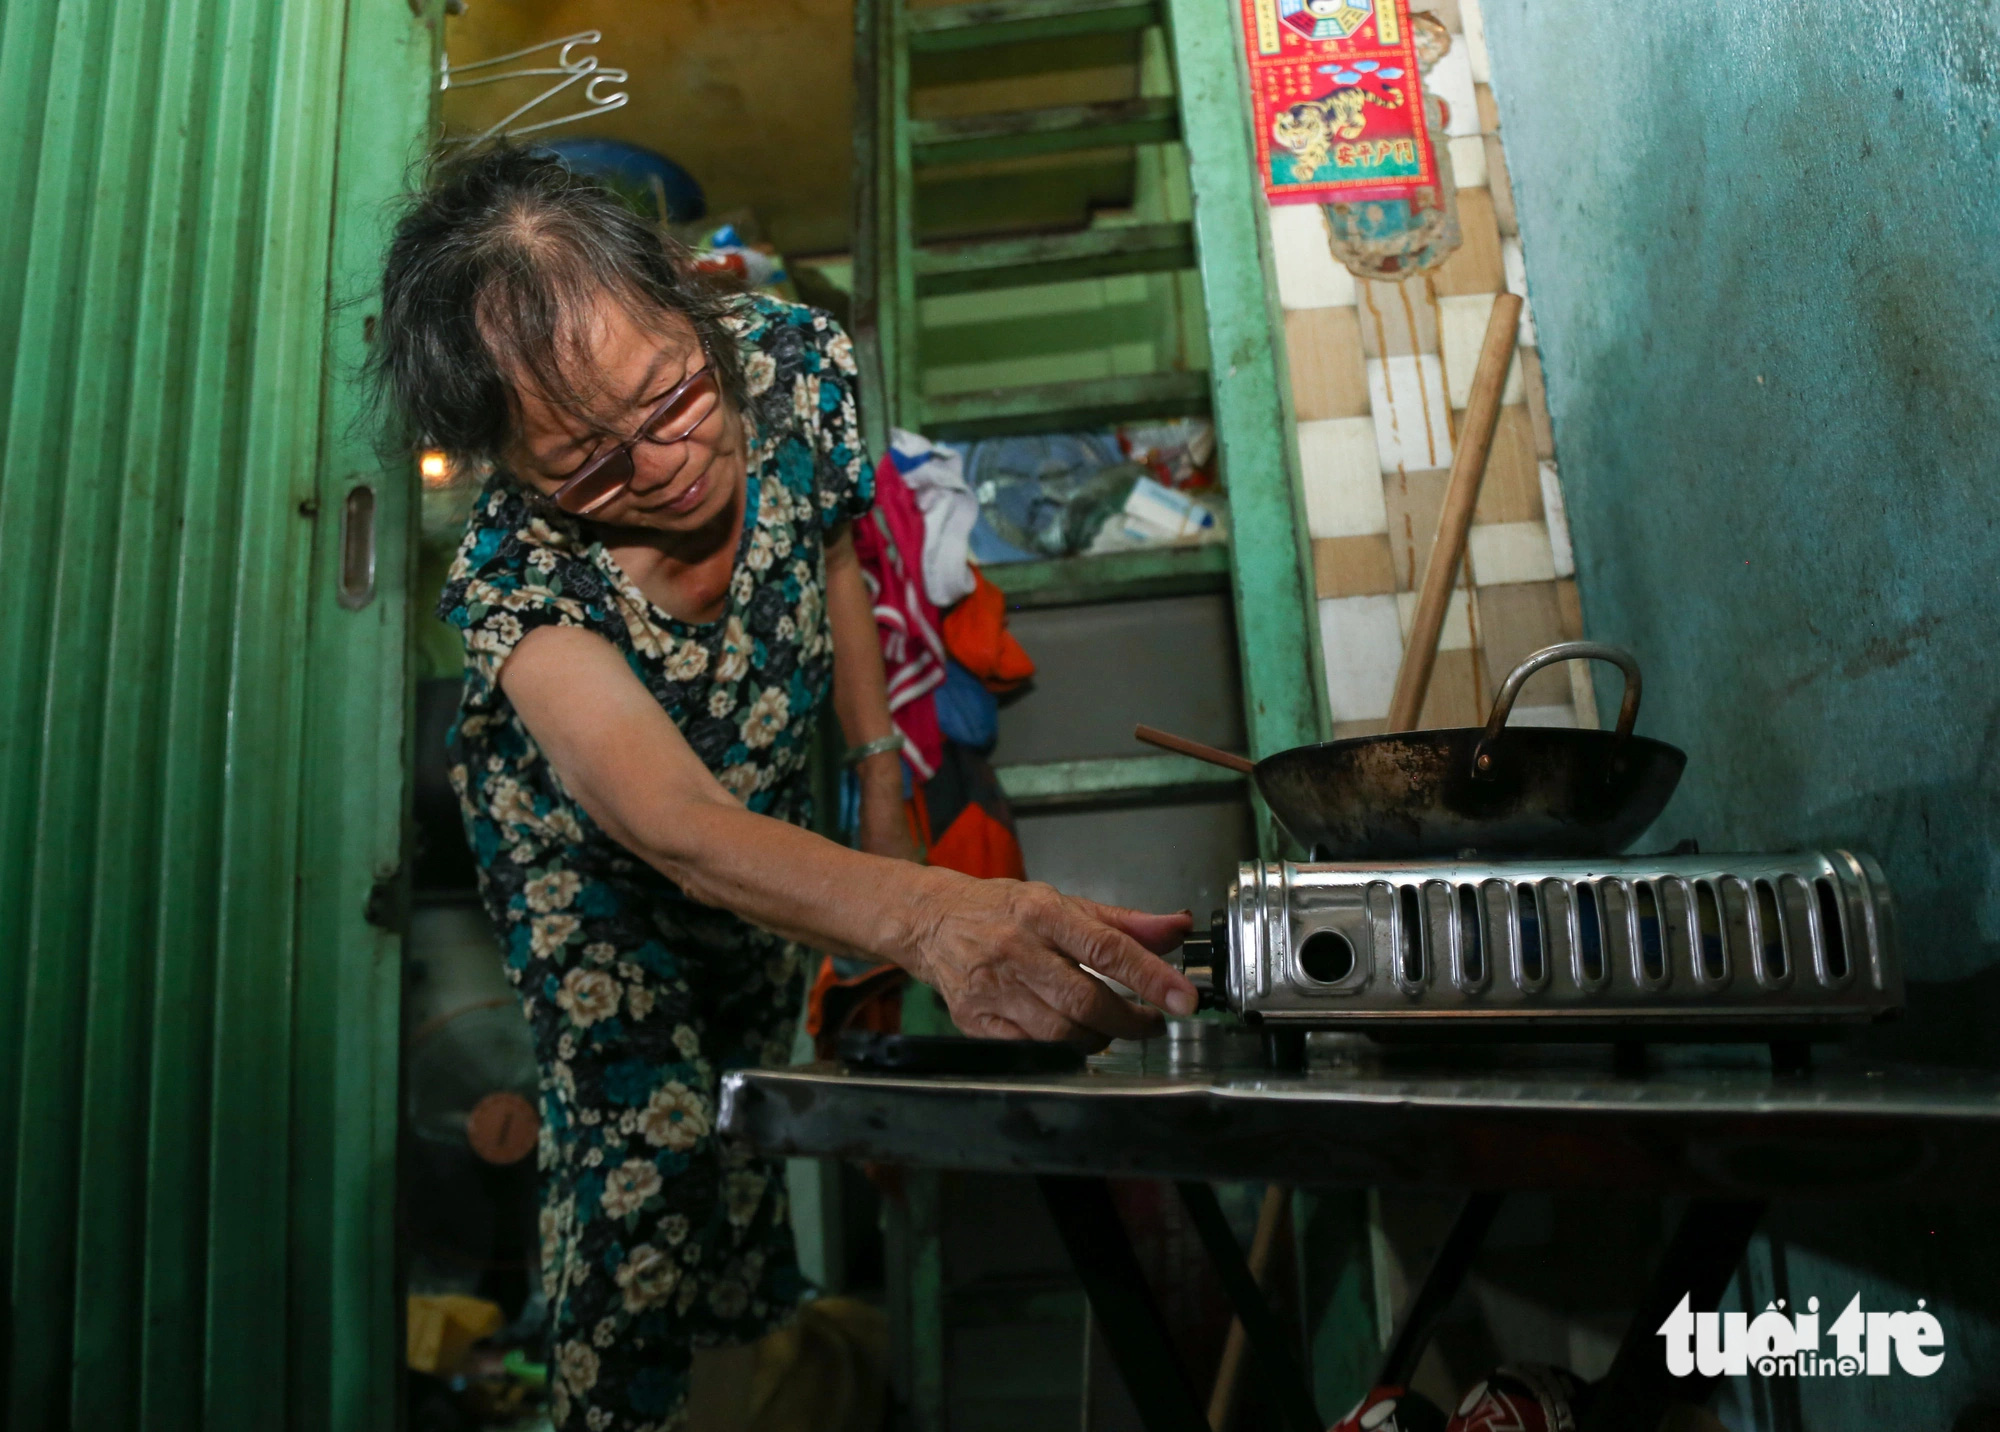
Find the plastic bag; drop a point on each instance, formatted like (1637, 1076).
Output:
(1154, 515)
(1179, 452)
(1046, 496)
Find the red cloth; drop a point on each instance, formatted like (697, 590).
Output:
(977, 844)
(975, 632)
(890, 544)
(965, 821)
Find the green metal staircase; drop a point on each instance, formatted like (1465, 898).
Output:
(1184, 246)
(906, 53)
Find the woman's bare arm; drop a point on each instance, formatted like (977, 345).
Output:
(861, 699)
(1003, 953)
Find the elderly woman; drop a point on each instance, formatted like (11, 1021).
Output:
(659, 594)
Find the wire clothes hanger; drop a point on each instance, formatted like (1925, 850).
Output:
(572, 68)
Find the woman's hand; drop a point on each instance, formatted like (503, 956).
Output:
(885, 824)
(1011, 960)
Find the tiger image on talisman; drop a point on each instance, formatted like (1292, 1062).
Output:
(1346, 109)
(1301, 130)
(1308, 129)
(1358, 84)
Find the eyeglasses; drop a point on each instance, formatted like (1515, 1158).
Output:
(685, 408)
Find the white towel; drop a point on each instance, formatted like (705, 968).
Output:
(936, 476)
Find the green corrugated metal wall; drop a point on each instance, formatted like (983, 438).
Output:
(200, 750)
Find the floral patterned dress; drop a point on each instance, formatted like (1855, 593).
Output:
(657, 1237)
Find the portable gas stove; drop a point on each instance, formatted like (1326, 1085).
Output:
(1623, 948)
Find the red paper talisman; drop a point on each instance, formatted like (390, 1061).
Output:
(1337, 100)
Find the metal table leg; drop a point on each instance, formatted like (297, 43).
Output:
(1441, 1284)
(1282, 1378)
(1122, 1304)
(1705, 1253)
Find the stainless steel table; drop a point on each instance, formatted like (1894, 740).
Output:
(1718, 1126)
(1707, 1125)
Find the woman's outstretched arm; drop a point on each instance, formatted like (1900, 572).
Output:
(1004, 954)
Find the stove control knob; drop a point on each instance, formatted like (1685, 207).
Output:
(1219, 962)
(1204, 959)
(1197, 962)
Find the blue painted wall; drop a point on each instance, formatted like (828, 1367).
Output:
(1763, 247)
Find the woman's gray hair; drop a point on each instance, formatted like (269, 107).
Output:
(489, 279)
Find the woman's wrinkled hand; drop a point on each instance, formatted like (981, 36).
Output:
(1010, 959)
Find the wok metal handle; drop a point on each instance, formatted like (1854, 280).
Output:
(1503, 704)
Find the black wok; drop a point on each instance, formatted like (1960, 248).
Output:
(1497, 791)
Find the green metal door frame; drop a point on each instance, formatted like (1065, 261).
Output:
(201, 751)
(346, 1318)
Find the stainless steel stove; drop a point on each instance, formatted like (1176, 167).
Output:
(1778, 947)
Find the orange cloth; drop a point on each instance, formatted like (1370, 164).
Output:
(977, 838)
(977, 844)
(976, 635)
(964, 819)
(872, 1000)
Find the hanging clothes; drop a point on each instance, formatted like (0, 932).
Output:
(968, 824)
(964, 823)
(967, 712)
(890, 544)
(849, 994)
(976, 635)
(913, 551)
(936, 477)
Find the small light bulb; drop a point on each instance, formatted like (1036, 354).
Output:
(435, 468)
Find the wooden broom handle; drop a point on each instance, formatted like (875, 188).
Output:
(1461, 495)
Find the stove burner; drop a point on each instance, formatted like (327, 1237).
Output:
(1758, 947)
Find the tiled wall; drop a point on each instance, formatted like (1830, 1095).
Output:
(1380, 378)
